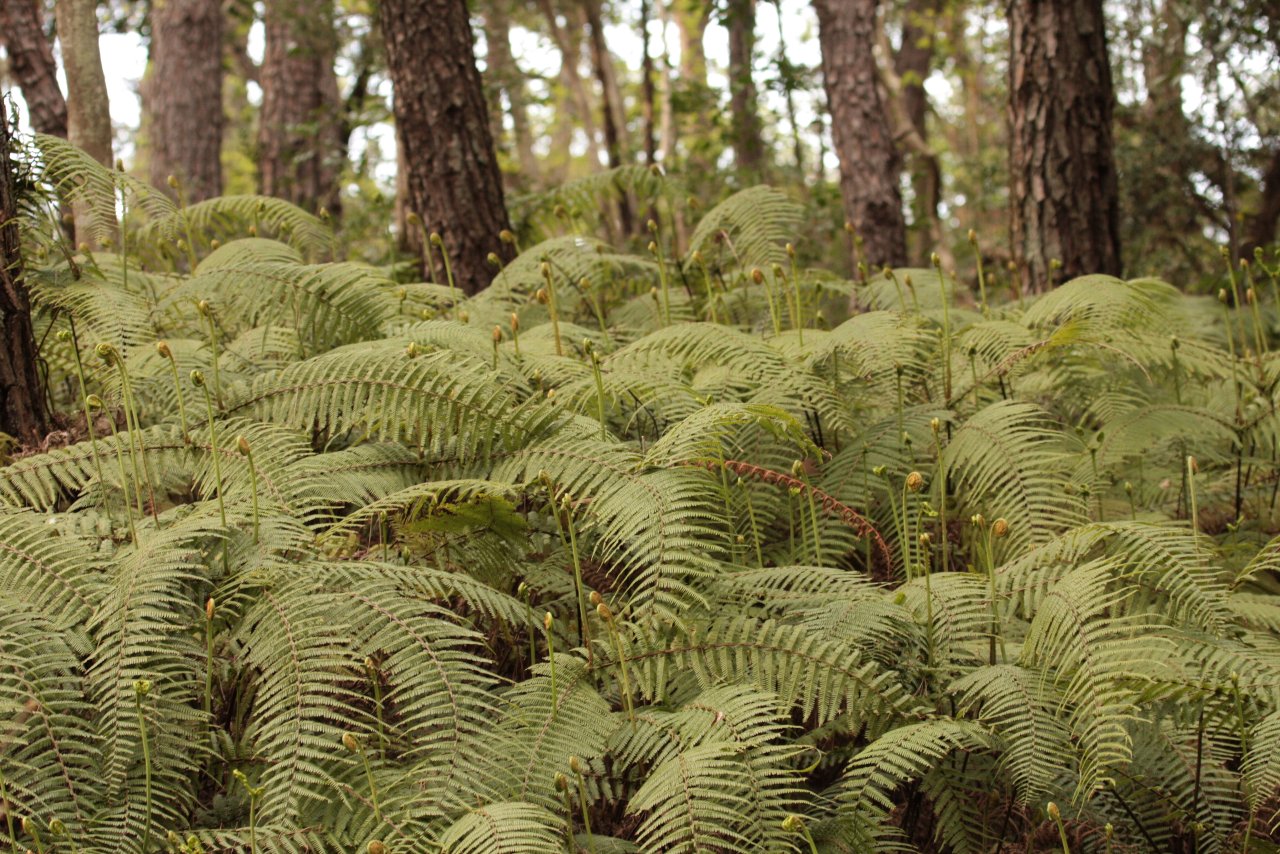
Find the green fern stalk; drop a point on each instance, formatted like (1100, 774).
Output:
(208, 659)
(108, 355)
(548, 623)
(616, 638)
(197, 379)
(1056, 816)
(599, 381)
(255, 794)
(982, 276)
(141, 688)
(751, 515)
(162, 347)
(375, 679)
(566, 507)
(351, 743)
(95, 402)
(243, 445)
(575, 765)
(438, 242)
(8, 812)
(548, 297)
(946, 327)
(88, 416)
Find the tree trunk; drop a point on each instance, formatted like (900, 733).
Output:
(912, 63)
(455, 185)
(647, 87)
(748, 144)
(569, 55)
(22, 412)
(299, 132)
(611, 96)
(1262, 228)
(32, 65)
(182, 95)
(1064, 194)
(88, 110)
(869, 163)
(506, 73)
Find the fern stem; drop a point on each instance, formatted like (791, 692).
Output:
(548, 622)
(566, 505)
(162, 347)
(599, 381)
(140, 689)
(375, 679)
(946, 327)
(1244, 748)
(243, 445)
(88, 416)
(576, 767)
(197, 379)
(755, 528)
(438, 242)
(110, 356)
(982, 277)
(606, 614)
(8, 812)
(124, 478)
(1056, 815)
(208, 659)
(552, 306)
(656, 250)
(208, 313)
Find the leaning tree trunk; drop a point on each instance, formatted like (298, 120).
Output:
(748, 143)
(869, 163)
(22, 412)
(455, 185)
(300, 124)
(1065, 201)
(32, 66)
(182, 95)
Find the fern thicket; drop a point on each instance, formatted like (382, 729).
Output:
(705, 565)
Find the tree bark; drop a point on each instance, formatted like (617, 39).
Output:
(869, 163)
(22, 412)
(748, 142)
(1262, 228)
(647, 88)
(32, 65)
(1065, 201)
(299, 133)
(455, 185)
(182, 95)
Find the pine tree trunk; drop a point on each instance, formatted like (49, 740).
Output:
(748, 144)
(182, 95)
(568, 46)
(912, 64)
(22, 412)
(32, 66)
(869, 162)
(300, 133)
(611, 95)
(1065, 202)
(454, 182)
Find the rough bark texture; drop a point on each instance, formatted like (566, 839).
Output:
(1262, 229)
(1064, 193)
(869, 163)
(22, 412)
(454, 181)
(748, 144)
(182, 95)
(300, 133)
(32, 65)
(912, 63)
(611, 105)
(88, 111)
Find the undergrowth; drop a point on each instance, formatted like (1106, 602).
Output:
(662, 551)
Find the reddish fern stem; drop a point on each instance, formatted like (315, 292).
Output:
(828, 502)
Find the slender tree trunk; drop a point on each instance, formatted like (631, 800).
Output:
(568, 47)
(1065, 202)
(748, 143)
(182, 95)
(88, 109)
(32, 65)
(869, 164)
(912, 63)
(696, 99)
(648, 89)
(613, 113)
(299, 131)
(22, 412)
(455, 185)
(506, 72)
